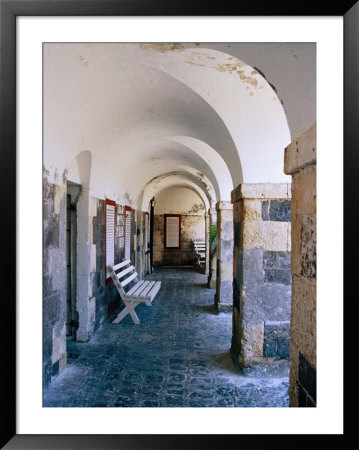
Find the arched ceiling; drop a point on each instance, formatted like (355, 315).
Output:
(146, 112)
(167, 180)
(179, 199)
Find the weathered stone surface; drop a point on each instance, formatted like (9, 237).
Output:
(192, 228)
(252, 209)
(303, 318)
(270, 236)
(276, 260)
(304, 191)
(261, 265)
(224, 295)
(252, 340)
(270, 260)
(284, 260)
(252, 267)
(265, 210)
(261, 190)
(278, 211)
(283, 348)
(54, 278)
(301, 152)
(307, 377)
(281, 276)
(277, 330)
(266, 302)
(222, 206)
(308, 254)
(224, 239)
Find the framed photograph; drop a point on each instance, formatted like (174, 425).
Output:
(60, 53)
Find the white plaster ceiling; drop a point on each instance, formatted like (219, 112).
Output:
(152, 110)
(179, 200)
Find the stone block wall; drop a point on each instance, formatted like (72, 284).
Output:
(261, 272)
(141, 262)
(192, 228)
(224, 269)
(96, 300)
(54, 280)
(212, 275)
(300, 162)
(106, 298)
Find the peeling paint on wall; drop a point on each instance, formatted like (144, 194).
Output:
(163, 47)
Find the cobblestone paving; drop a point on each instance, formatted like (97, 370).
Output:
(177, 357)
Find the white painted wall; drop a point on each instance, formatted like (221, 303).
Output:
(179, 200)
(144, 111)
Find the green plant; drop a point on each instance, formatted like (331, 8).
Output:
(212, 232)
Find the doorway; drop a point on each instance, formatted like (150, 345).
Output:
(72, 319)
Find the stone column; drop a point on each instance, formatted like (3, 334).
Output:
(212, 276)
(300, 162)
(207, 225)
(262, 278)
(224, 281)
(84, 301)
(54, 280)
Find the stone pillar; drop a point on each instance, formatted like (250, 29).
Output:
(54, 280)
(212, 275)
(300, 162)
(224, 281)
(207, 225)
(85, 303)
(262, 277)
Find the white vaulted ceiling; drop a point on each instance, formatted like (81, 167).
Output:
(154, 116)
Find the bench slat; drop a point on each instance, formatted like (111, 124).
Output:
(154, 290)
(129, 279)
(138, 291)
(124, 272)
(135, 287)
(121, 264)
(147, 289)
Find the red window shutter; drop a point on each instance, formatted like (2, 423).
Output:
(110, 210)
(128, 221)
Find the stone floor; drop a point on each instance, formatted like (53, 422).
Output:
(177, 357)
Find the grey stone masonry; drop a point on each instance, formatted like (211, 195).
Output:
(54, 280)
(275, 210)
(300, 163)
(307, 383)
(224, 278)
(276, 339)
(277, 267)
(262, 273)
(212, 250)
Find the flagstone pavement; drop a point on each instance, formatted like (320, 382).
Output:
(178, 356)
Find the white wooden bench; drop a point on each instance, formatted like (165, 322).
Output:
(142, 291)
(200, 249)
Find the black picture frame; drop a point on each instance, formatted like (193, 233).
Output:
(9, 10)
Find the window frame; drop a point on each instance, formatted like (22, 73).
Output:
(128, 209)
(179, 230)
(109, 202)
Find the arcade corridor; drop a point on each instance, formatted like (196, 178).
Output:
(149, 151)
(177, 357)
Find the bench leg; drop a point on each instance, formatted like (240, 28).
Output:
(129, 309)
(148, 303)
